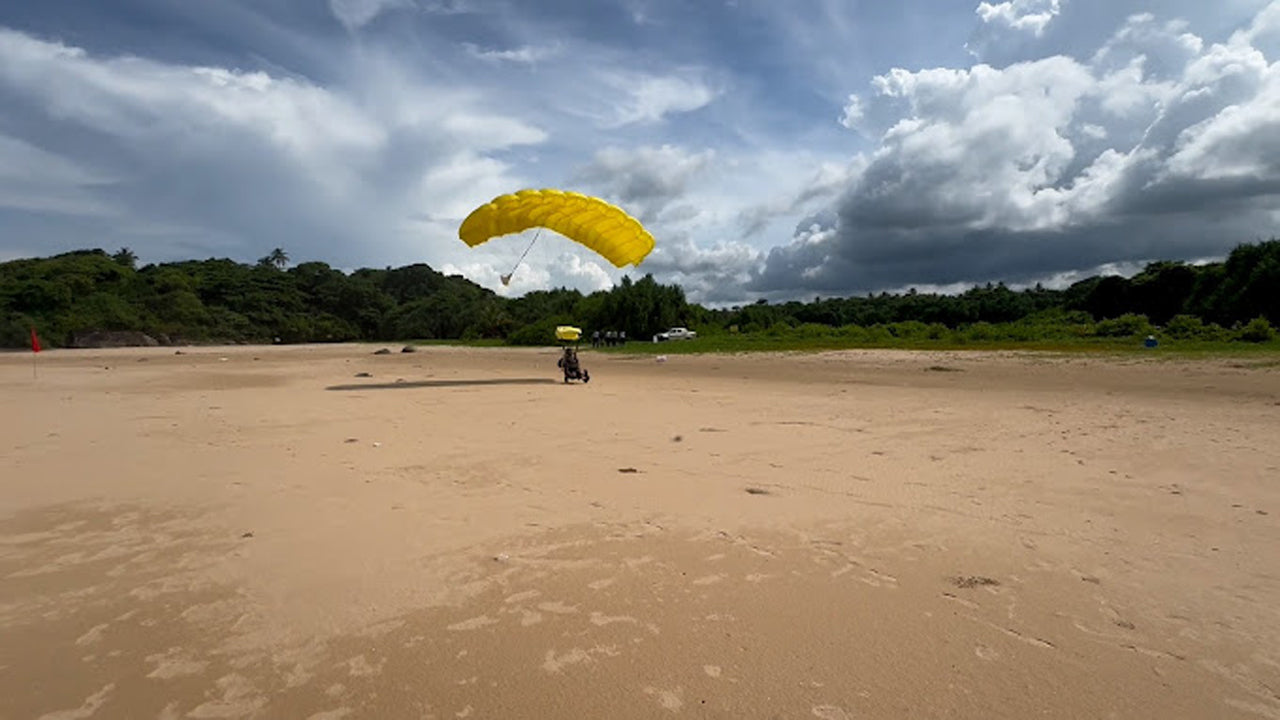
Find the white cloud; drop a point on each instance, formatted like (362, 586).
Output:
(1024, 169)
(245, 157)
(712, 275)
(644, 180)
(354, 14)
(853, 113)
(643, 98)
(33, 179)
(539, 271)
(523, 55)
(1031, 16)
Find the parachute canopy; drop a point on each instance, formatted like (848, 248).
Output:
(568, 332)
(590, 221)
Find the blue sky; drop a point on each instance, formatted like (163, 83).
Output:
(774, 149)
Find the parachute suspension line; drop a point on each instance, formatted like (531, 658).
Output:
(506, 279)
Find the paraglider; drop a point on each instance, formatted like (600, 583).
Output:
(589, 221)
(568, 362)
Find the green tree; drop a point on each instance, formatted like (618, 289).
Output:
(277, 259)
(125, 257)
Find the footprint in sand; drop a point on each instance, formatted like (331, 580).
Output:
(87, 709)
(359, 666)
(337, 714)
(239, 699)
(711, 670)
(521, 597)
(599, 619)
(986, 653)
(93, 636)
(474, 623)
(175, 663)
(831, 712)
(557, 608)
(554, 663)
(668, 699)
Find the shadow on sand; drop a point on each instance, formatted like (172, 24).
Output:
(443, 384)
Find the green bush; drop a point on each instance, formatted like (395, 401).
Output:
(542, 332)
(1190, 327)
(1129, 325)
(1257, 331)
(979, 332)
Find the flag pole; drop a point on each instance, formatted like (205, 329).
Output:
(35, 354)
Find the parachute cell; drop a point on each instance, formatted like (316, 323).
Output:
(604, 228)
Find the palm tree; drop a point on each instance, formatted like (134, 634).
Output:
(277, 258)
(125, 257)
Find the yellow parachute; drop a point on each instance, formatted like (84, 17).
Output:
(590, 221)
(568, 332)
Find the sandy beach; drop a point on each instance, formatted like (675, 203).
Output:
(262, 532)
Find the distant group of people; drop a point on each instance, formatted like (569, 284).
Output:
(609, 338)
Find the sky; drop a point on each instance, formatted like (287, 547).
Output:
(779, 150)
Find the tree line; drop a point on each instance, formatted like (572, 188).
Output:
(220, 300)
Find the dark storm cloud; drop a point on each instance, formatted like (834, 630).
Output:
(987, 175)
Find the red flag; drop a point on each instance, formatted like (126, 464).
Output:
(35, 341)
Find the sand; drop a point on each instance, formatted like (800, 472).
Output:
(258, 532)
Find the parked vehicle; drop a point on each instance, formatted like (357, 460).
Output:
(675, 333)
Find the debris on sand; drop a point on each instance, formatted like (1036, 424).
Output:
(973, 581)
(364, 375)
(408, 349)
(757, 491)
(383, 351)
(628, 470)
(351, 440)
(678, 438)
(247, 535)
(942, 368)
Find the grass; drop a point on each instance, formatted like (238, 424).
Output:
(1258, 354)
(488, 342)
(730, 344)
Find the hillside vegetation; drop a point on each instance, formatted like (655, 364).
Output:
(219, 300)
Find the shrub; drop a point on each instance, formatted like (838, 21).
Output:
(1185, 327)
(1129, 325)
(542, 332)
(980, 331)
(1257, 331)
